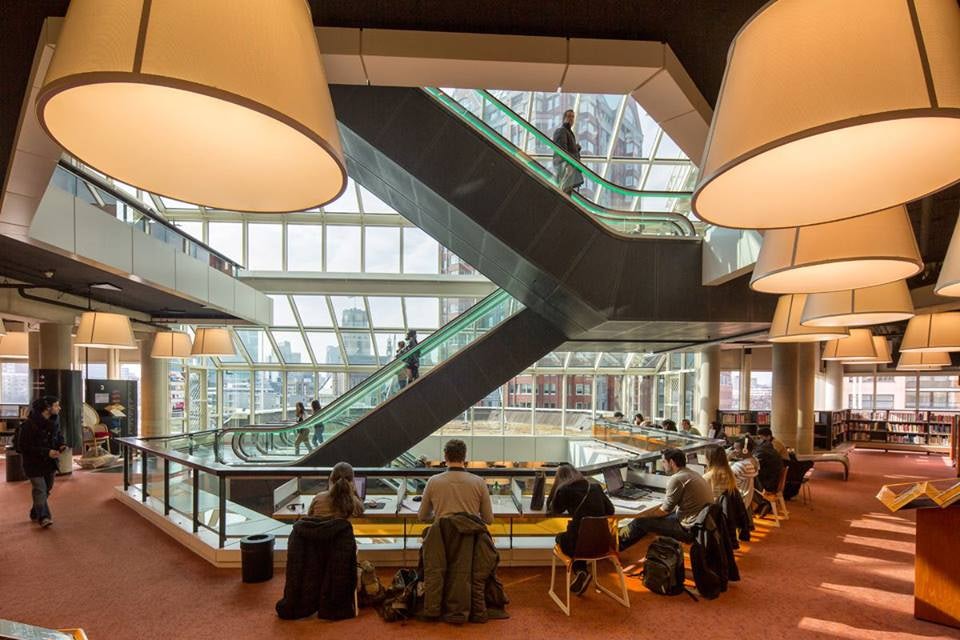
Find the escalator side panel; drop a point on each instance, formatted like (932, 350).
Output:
(439, 397)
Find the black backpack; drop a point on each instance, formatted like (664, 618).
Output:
(663, 571)
(400, 599)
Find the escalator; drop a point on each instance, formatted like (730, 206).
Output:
(596, 273)
(378, 420)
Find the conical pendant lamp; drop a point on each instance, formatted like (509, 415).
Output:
(104, 330)
(832, 109)
(932, 332)
(171, 344)
(786, 326)
(213, 342)
(948, 284)
(221, 103)
(849, 254)
(859, 307)
(916, 361)
(858, 347)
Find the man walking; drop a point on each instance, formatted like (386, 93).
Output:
(567, 176)
(41, 443)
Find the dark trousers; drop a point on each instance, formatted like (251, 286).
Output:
(568, 546)
(41, 486)
(667, 526)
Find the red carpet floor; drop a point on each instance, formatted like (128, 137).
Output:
(841, 567)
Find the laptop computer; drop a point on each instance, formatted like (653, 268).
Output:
(617, 488)
(360, 484)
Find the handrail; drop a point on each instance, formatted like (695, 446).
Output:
(333, 411)
(678, 221)
(134, 204)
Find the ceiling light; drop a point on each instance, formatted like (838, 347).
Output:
(171, 344)
(786, 325)
(213, 342)
(882, 347)
(3, 328)
(14, 345)
(932, 332)
(830, 110)
(849, 254)
(857, 347)
(105, 286)
(104, 330)
(948, 284)
(889, 302)
(213, 103)
(916, 361)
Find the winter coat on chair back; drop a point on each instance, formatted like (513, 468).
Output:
(459, 569)
(321, 570)
(711, 556)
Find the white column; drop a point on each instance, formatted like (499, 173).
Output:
(808, 354)
(783, 418)
(708, 387)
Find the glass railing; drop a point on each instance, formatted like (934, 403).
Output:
(98, 193)
(278, 443)
(477, 113)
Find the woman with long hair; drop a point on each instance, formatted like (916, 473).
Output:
(318, 427)
(303, 435)
(340, 500)
(719, 474)
(574, 494)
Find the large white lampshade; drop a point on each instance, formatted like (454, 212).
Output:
(889, 302)
(222, 103)
(830, 110)
(882, 347)
(14, 345)
(213, 342)
(3, 328)
(948, 284)
(171, 344)
(917, 361)
(857, 347)
(932, 332)
(786, 325)
(105, 331)
(849, 254)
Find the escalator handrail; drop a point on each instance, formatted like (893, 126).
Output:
(333, 410)
(683, 224)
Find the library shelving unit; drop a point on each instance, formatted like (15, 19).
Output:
(901, 430)
(829, 430)
(736, 423)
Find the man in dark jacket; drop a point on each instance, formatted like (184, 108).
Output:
(41, 443)
(567, 176)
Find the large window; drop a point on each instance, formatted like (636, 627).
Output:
(265, 247)
(343, 249)
(227, 238)
(305, 247)
(15, 383)
(761, 391)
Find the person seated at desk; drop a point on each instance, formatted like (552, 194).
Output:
(574, 494)
(744, 467)
(668, 425)
(766, 435)
(771, 465)
(719, 475)
(340, 500)
(686, 495)
(456, 490)
(688, 429)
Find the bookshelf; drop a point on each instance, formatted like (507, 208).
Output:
(829, 430)
(736, 423)
(901, 430)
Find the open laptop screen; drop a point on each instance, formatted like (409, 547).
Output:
(613, 479)
(360, 484)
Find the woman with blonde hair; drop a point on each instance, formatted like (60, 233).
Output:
(719, 475)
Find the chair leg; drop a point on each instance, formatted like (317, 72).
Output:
(783, 506)
(620, 598)
(775, 510)
(553, 594)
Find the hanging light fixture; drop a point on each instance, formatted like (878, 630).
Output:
(3, 328)
(882, 346)
(917, 361)
(932, 332)
(14, 345)
(948, 283)
(849, 254)
(171, 344)
(104, 330)
(222, 103)
(889, 302)
(857, 347)
(213, 342)
(830, 110)
(786, 325)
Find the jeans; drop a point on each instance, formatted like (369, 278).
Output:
(318, 435)
(42, 486)
(668, 526)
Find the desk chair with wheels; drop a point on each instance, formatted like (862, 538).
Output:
(777, 501)
(596, 540)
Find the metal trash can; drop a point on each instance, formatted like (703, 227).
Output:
(256, 557)
(14, 465)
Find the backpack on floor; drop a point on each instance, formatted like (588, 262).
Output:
(663, 571)
(400, 599)
(372, 592)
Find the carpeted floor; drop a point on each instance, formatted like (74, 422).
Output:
(839, 568)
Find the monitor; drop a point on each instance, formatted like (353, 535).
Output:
(613, 479)
(360, 484)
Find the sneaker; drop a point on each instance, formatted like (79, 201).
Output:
(33, 515)
(46, 522)
(580, 583)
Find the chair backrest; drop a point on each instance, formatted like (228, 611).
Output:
(783, 479)
(595, 538)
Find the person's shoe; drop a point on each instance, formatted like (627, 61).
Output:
(580, 583)
(46, 522)
(33, 515)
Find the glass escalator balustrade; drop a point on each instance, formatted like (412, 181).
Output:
(499, 123)
(288, 442)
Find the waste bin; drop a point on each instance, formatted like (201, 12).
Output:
(14, 465)
(256, 557)
(65, 462)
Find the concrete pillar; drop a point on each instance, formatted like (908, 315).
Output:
(113, 364)
(783, 418)
(154, 419)
(54, 347)
(708, 386)
(746, 370)
(834, 386)
(808, 354)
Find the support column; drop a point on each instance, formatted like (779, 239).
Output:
(708, 387)
(834, 386)
(807, 356)
(154, 377)
(746, 370)
(54, 349)
(51, 351)
(113, 364)
(783, 418)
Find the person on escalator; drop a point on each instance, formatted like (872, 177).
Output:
(303, 435)
(317, 428)
(568, 176)
(402, 377)
(413, 360)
